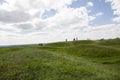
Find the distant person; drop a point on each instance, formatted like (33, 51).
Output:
(88, 39)
(74, 39)
(102, 39)
(66, 40)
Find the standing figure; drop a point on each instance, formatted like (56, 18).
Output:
(74, 39)
(66, 40)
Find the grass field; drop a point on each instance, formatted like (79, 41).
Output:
(78, 60)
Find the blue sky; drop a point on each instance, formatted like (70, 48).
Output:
(43, 21)
(1, 1)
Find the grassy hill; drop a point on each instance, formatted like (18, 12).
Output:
(78, 60)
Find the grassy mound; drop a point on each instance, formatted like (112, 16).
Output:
(92, 51)
(105, 51)
(35, 64)
(78, 60)
(110, 42)
(70, 43)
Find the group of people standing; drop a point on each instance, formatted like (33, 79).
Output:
(74, 39)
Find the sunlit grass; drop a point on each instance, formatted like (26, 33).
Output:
(79, 60)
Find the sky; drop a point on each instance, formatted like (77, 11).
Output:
(44, 21)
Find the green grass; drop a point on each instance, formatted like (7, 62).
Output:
(110, 42)
(78, 60)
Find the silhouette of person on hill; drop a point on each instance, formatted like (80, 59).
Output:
(74, 39)
(66, 40)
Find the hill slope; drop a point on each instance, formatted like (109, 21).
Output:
(79, 60)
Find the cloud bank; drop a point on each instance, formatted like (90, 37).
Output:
(21, 22)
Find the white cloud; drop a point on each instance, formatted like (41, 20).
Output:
(38, 4)
(13, 16)
(116, 19)
(99, 14)
(90, 4)
(98, 32)
(70, 18)
(8, 27)
(24, 26)
(21, 22)
(115, 4)
(91, 18)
